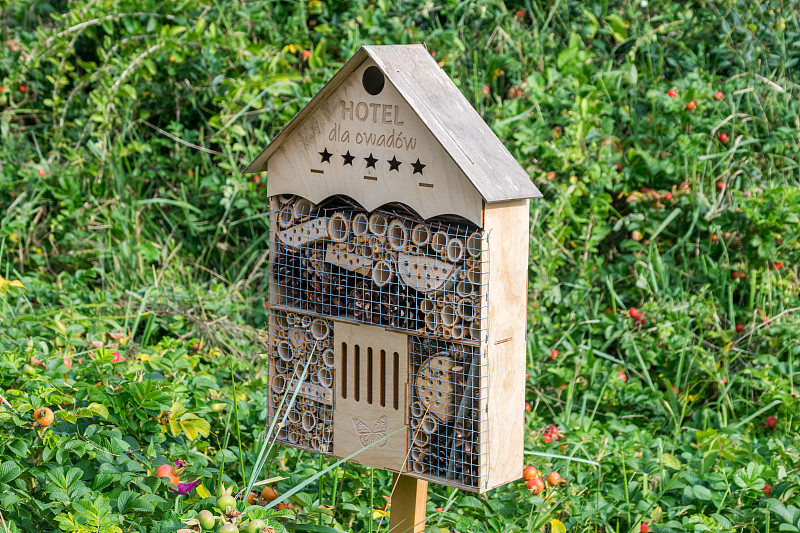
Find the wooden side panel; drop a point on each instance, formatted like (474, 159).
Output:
(368, 408)
(507, 230)
(374, 149)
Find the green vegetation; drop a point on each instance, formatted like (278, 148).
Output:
(132, 256)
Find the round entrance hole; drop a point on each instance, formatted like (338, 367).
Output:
(373, 80)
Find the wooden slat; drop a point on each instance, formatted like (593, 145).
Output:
(409, 499)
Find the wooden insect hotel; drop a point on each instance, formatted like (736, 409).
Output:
(398, 276)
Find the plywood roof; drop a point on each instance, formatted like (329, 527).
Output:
(439, 104)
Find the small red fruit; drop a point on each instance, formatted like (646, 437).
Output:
(281, 506)
(43, 416)
(306, 54)
(551, 175)
(553, 354)
(269, 493)
(554, 478)
(714, 237)
(691, 105)
(251, 498)
(719, 95)
(529, 472)
(723, 137)
(643, 320)
(535, 485)
(778, 265)
(771, 422)
(767, 489)
(527, 406)
(735, 274)
(619, 167)
(667, 196)
(633, 312)
(739, 328)
(553, 430)
(644, 528)
(621, 375)
(520, 14)
(720, 185)
(166, 470)
(742, 275)
(672, 93)
(547, 438)
(683, 186)
(41, 172)
(22, 88)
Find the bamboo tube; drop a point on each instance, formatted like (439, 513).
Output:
(417, 410)
(360, 225)
(419, 468)
(320, 329)
(293, 437)
(455, 250)
(285, 216)
(397, 235)
(445, 331)
(415, 424)
(305, 321)
(428, 424)
(421, 439)
(309, 421)
(417, 455)
(439, 242)
(305, 442)
(466, 310)
(313, 358)
(430, 321)
(309, 338)
(463, 288)
(279, 383)
(439, 330)
(327, 358)
(316, 444)
(448, 315)
(338, 227)
(280, 320)
(427, 306)
(285, 198)
(282, 366)
(325, 377)
(475, 330)
(413, 249)
(377, 224)
(294, 416)
(382, 273)
(292, 319)
(285, 351)
(474, 246)
(282, 433)
(351, 247)
(313, 378)
(376, 242)
(458, 331)
(302, 209)
(421, 234)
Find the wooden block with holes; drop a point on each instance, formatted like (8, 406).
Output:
(398, 276)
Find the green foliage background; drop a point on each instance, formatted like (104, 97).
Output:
(124, 127)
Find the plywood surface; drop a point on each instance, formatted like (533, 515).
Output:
(507, 233)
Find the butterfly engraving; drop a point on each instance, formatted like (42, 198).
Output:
(369, 436)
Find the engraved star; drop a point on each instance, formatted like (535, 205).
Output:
(348, 159)
(394, 164)
(370, 161)
(326, 156)
(418, 167)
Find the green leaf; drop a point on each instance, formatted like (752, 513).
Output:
(193, 425)
(670, 461)
(9, 471)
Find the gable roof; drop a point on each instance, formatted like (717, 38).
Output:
(439, 104)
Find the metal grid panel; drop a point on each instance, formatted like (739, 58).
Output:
(299, 341)
(447, 438)
(384, 268)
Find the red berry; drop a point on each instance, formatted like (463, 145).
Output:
(778, 265)
(527, 406)
(719, 95)
(723, 137)
(645, 529)
(547, 438)
(771, 422)
(735, 274)
(667, 196)
(22, 88)
(535, 485)
(742, 275)
(633, 312)
(554, 478)
(767, 489)
(520, 14)
(619, 167)
(607, 310)
(553, 354)
(306, 54)
(553, 430)
(621, 375)
(551, 175)
(720, 185)
(691, 105)
(739, 328)
(530, 472)
(41, 172)
(672, 93)
(684, 186)
(714, 237)
(643, 320)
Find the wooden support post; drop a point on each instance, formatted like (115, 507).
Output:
(409, 497)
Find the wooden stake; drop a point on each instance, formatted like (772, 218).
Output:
(410, 495)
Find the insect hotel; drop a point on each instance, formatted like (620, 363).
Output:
(398, 276)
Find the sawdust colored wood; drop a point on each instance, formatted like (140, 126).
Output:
(409, 499)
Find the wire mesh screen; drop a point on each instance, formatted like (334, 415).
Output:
(384, 268)
(301, 359)
(447, 432)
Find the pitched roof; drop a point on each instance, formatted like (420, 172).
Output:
(439, 104)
